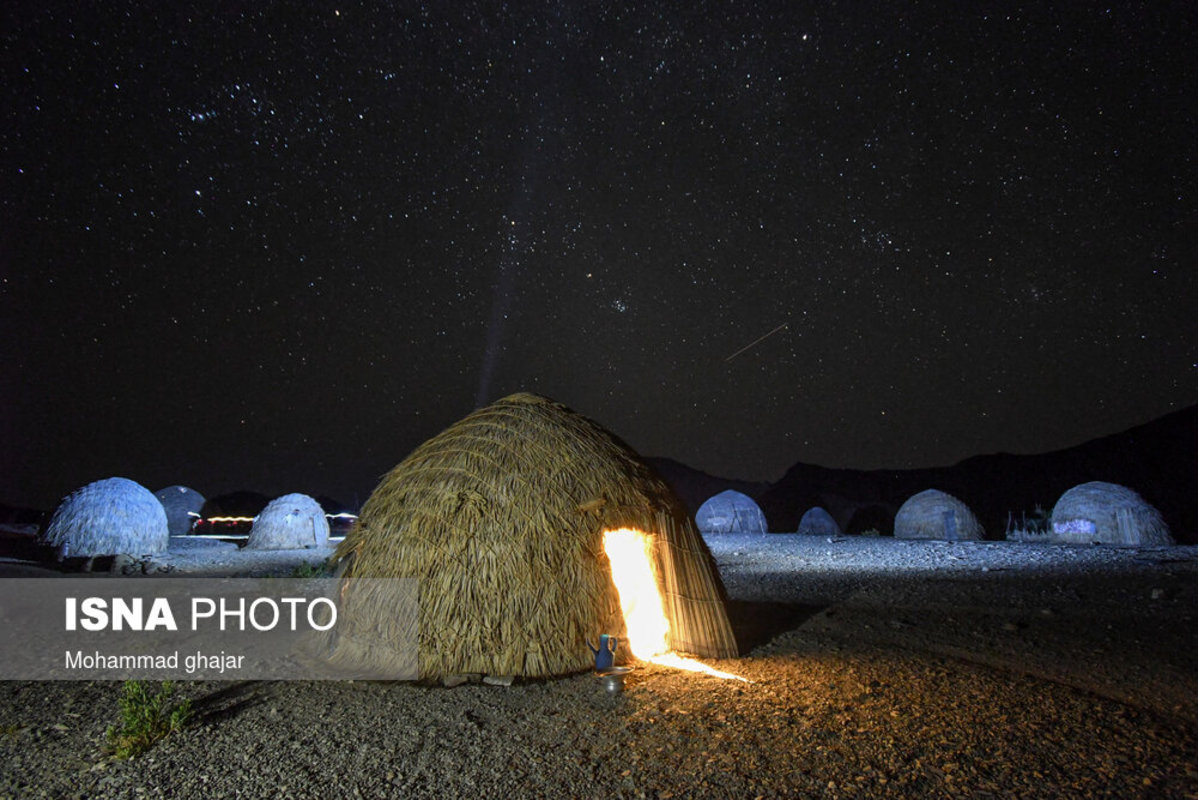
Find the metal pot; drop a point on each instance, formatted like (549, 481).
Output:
(612, 679)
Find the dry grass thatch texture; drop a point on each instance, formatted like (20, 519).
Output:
(108, 517)
(180, 504)
(1107, 513)
(933, 514)
(730, 511)
(290, 522)
(817, 521)
(501, 518)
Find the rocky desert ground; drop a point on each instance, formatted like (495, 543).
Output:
(872, 668)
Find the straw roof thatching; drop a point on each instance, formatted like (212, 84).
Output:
(182, 506)
(730, 511)
(501, 519)
(108, 517)
(290, 522)
(933, 514)
(1107, 513)
(818, 522)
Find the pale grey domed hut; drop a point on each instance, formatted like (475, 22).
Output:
(182, 506)
(933, 514)
(818, 522)
(290, 522)
(730, 511)
(109, 517)
(1107, 513)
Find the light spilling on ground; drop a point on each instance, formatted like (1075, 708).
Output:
(691, 665)
(640, 600)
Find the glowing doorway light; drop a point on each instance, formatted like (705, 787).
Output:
(628, 551)
(640, 600)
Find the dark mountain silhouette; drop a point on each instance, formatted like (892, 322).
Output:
(1158, 459)
(695, 487)
(333, 506)
(19, 515)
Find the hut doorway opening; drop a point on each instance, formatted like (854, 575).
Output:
(640, 599)
(631, 555)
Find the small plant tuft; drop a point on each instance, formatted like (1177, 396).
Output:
(306, 570)
(145, 718)
(1029, 528)
(873, 532)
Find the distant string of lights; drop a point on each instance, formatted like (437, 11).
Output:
(197, 517)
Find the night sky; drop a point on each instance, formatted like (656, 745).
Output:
(275, 246)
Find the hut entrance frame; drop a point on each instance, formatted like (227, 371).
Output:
(630, 553)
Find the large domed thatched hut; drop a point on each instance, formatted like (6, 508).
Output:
(1107, 513)
(730, 511)
(109, 517)
(182, 505)
(818, 522)
(933, 514)
(290, 522)
(503, 519)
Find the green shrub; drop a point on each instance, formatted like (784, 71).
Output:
(146, 718)
(306, 570)
(871, 532)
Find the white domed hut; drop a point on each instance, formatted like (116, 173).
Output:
(1107, 513)
(818, 522)
(290, 522)
(182, 506)
(730, 512)
(109, 517)
(933, 514)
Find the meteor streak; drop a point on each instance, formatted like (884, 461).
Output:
(756, 341)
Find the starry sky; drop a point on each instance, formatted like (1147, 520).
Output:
(275, 246)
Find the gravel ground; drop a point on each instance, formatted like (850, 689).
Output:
(875, 668)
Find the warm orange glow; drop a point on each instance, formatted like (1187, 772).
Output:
(640, 600)
(628, 551)
(679, 662)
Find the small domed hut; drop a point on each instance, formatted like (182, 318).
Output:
(113, 516)
(182, 506)
(1107, 513)
(933, 514)
(730, 511)
(818, 522)
(290, 522)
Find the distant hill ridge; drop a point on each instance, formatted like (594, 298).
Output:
(1158, 459)
(694, 486)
